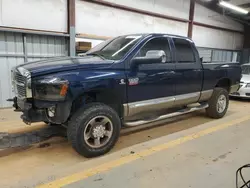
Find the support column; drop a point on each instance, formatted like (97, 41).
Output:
(246, 37)
(71, 27)
(25, 48)
(191, 18)
(245, 53)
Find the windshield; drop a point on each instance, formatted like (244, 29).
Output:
(115, 49)
(246, 69)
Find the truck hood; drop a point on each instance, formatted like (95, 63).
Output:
(53, 65)
(245, 78)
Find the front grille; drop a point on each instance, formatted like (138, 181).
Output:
(21, 91)
(20, 78)
(20, 84)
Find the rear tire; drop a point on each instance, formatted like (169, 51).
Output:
(94, 129)
(218, 104)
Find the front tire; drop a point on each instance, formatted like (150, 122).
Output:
(218, 104)
(94, 129)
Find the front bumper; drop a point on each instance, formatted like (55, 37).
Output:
(243, 92)
(30, 115)
(234, 88)
(36, 111)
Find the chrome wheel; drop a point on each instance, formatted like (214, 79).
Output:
(98, 131)
(221, 103)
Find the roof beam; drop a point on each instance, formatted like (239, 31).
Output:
(191, 18)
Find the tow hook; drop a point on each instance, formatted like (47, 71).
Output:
(25, 120)
(14, 100)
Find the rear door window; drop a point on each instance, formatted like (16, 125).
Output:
(184, 52)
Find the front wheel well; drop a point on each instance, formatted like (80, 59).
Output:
(224, 83)
(91, 97)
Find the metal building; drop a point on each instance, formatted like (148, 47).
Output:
(48, 28)
(18, 48)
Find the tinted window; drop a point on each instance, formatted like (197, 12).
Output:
(156, 44)
(184, 52)
(116, 48)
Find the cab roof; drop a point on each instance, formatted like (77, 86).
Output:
(158, 35)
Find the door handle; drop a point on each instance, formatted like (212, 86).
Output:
(168, 73)
(171, 72)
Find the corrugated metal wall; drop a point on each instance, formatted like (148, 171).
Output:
(215, 55)
(39, 47)
(16, 48)
(222, 56)
(206, 54)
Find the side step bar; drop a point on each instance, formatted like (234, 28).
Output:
(162, 117)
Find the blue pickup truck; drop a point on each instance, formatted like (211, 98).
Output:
(125, 81)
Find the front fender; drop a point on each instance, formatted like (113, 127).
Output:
(100, 86)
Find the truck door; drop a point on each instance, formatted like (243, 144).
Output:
(151, 86)
(189, 72)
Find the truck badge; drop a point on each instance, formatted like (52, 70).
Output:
(122, 82)
(133, 81)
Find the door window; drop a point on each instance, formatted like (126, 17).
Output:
(156, 44)
(184, 51)
(116, 48)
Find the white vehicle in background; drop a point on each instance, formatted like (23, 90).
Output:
(244, 90)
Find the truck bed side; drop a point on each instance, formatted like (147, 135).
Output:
(221, 74)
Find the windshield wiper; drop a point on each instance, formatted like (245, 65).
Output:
(96, 54)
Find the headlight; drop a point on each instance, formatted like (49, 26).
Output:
(248, 85)
(51, 89)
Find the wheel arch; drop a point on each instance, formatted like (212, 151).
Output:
(224, 83)
(110, 98)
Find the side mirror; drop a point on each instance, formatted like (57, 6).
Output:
(201, 59)
(152, 56)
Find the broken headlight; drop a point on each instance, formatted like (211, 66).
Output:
(51, 89)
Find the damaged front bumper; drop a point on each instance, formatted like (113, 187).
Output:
(40, 111)
(30, 115)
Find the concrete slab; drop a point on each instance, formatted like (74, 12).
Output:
(210, 161)
(106, 163)
(8, 114)
(39, 165)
